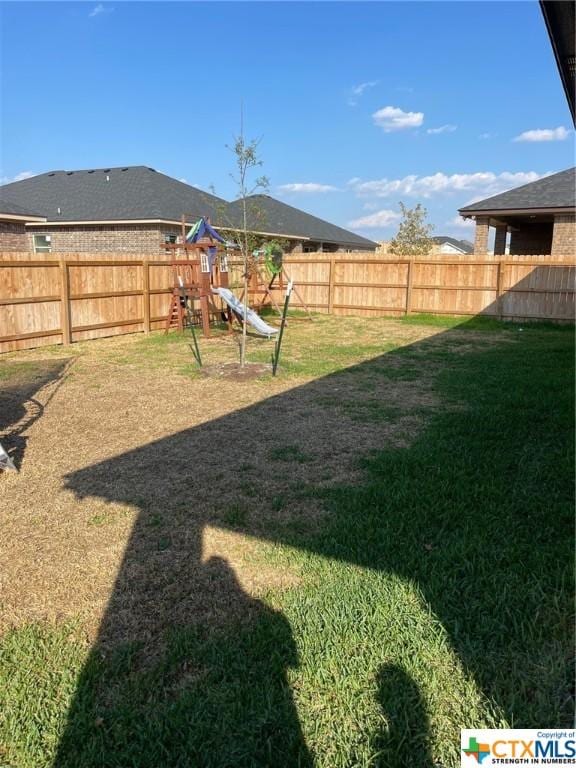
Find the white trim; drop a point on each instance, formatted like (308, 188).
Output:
(515, 211)
(114, 222)
(17, 217)
(108, 222)
(267, 234)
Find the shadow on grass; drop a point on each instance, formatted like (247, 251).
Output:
(468, 497)
(406, 741)
(25, 390)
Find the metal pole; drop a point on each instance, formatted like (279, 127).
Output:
(190, 314)
(281, 334)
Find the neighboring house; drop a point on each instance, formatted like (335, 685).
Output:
(137, 209)
(277, 219)
(13, 220)
(446, 244)
(537, 218)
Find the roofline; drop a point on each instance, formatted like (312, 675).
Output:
(466, 213)
(89, 222)
(20, 217)
(562, 70)
(258, 232)
(92, 222)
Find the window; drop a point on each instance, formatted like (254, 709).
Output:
(42, 244)
(170, 238)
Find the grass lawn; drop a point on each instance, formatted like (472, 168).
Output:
(339, 567)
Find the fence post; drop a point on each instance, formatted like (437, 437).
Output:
(499, 289)
(331, 285)
(409, 282)
(146, 294)
(65, 303)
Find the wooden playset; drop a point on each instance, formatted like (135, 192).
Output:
(194, 277)
(202, 276)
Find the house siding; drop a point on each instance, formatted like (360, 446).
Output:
(125, 238)
(13, 236)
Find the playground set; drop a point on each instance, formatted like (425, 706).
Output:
(202, 277)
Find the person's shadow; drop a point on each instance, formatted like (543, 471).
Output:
(188, 670)
(225, 698)
(405, 742)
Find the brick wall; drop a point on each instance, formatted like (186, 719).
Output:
(13, 237)
(531, 239)
(481, 235)
(564, 236)
(121, 238)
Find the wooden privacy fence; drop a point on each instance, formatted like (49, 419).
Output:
(61, 300)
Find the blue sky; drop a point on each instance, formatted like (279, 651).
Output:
(358, 105)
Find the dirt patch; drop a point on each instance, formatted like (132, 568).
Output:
(235, 371)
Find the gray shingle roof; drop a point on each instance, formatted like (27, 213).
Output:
(8, 207)
(279, 218)
(556, 191)
(464, 245)
(111, 194)
(138, 192)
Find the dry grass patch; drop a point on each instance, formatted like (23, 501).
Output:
(137, 456)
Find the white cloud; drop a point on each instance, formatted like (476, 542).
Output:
(357, 90)
(395, 119)
(99, 9)
(19, 177)
(307, 188)
(379, 219)
(483, 183)
(544, 134)
(486, 136)
(461, 223)
(443, 129)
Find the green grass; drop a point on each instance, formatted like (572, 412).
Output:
(436, 595)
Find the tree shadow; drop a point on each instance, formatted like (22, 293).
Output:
(23, 399)
(188, 669)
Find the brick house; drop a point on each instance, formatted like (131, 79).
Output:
(535, 219)
(138, 210)
(13, 220)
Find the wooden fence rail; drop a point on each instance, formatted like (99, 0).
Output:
(65, 299)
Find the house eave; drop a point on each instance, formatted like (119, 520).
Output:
(468, 213)
(135, 222)
(19, 218)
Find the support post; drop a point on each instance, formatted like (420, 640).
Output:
(409, 284)
(481, 235)
(331, 284)
(146, 294)
(500, 289)
(65, 303)
(278, 344)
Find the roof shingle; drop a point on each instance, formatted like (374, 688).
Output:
(555, 191)
(278, 218)
(140, 193)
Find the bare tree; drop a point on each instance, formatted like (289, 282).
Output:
(247, 159)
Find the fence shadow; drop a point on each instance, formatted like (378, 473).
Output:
(22, 402)
(182, 640)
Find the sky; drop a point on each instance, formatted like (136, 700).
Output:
(356, 106)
